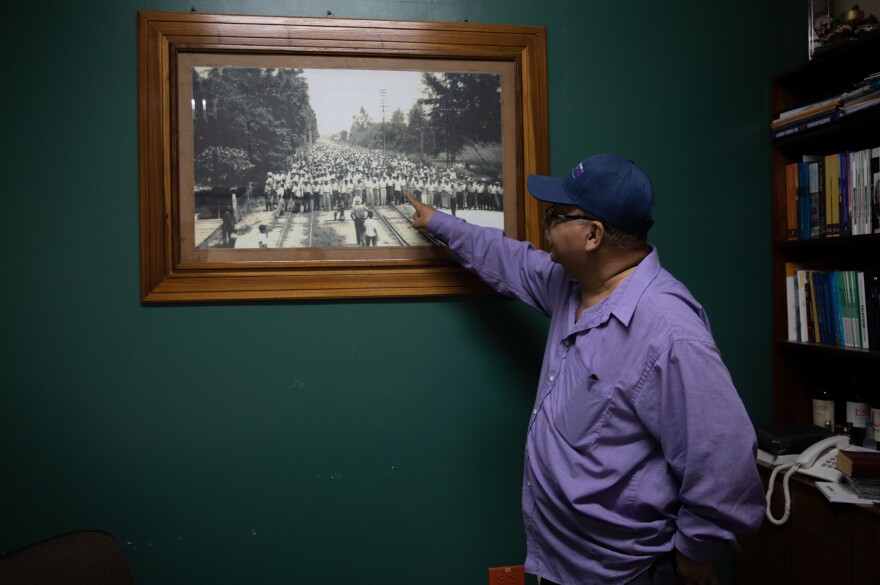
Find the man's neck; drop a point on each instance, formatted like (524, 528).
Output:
(598, 286)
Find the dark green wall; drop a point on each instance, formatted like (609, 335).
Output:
(331, 442)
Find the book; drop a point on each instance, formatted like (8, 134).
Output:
(843, 286)
(800, 295)
(855, 175)
(791, 303)
(875, 190)
(803, 125)
(803, 196)
(845, 199)
(810, 111)
(861, 103)
(866, 489)
(836, 308)
(861, 290)
(810, 334)
(851, 309)
(859, 464)
(868, 85)
(871, 292)
(867, 191)
(840, 493)
(832, 195)
(818, 316)
(817, 198)
(791, 200)
(814, 107)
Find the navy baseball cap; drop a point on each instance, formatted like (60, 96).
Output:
(607, 186)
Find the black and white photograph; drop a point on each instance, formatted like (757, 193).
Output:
(277, 154)
(288, 157)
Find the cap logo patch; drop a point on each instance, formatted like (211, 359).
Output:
(575, 172)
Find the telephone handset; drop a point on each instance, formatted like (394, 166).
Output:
(820, 459)
(817, 460)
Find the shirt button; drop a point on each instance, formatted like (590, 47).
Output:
(552, 377)
(566, 343)
(535, 411)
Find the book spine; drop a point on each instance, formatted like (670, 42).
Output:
(855, 173)
(791, 200)
(815, 210)
(791, 306)
(801, 295)
(808, 308)
(826, 308)
(845, 202)
(851, 319)
(822, 198)
(801, 126)
(863, 317)
(834, 190)
(818, 317)
(875, 190)
(862, 90)
(871, 289)
(836, 307)
(804, 200)
(867, 189)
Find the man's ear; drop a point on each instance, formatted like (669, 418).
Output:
(595, 235)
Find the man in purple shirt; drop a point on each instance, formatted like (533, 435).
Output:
(640, 457)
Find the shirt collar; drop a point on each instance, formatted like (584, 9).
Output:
(623, 300)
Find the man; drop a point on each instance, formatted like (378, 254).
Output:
(228, 226)
(640, 457)
(359, 215)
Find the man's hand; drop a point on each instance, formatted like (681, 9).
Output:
(423, 212)
(693, 573)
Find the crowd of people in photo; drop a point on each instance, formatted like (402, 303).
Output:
(331, 176)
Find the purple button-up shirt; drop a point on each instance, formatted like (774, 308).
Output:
(638, 441)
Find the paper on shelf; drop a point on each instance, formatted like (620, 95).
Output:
(841, 493)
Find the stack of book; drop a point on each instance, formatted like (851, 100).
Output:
(865, 95)
(836, 307)
(833, 195)
(862, 472)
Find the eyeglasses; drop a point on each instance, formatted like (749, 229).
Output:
(551, 219)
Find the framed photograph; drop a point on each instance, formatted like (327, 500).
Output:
(275, 152)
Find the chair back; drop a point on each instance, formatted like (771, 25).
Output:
(84, 557)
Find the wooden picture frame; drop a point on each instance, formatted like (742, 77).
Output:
(175, 50)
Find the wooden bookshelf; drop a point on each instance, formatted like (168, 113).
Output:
(821, 543)
(798, 366)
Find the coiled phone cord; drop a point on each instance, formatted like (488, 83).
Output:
(792, 468)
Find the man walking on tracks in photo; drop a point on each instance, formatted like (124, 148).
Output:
(228, 226)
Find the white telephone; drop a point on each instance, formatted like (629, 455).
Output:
(818, 460)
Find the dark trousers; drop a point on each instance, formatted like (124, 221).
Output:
(661, 572)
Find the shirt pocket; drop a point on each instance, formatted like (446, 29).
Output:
(582, 407)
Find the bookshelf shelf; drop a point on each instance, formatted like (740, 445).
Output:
(851, 132)
(843, 253)
(814, 350)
